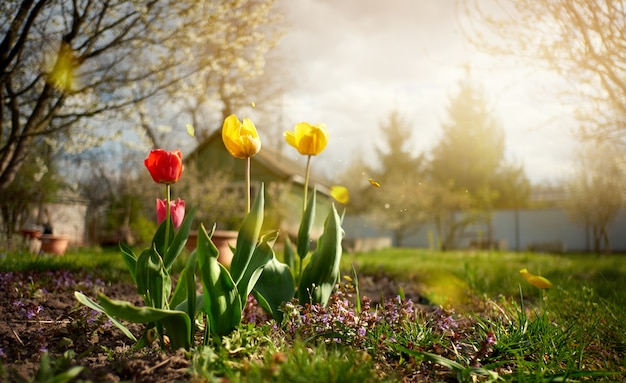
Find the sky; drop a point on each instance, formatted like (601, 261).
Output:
(355, 61)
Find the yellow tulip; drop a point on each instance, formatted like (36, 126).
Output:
(240, 138)
(340, 194)
(536, 280)
(308, 139)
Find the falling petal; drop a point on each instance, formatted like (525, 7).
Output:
(374, 183)
(535, 280)
(62, 73)
(190, 130)
(253, 104)
(340, 194)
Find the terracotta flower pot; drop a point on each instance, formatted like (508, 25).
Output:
(54, 244)
(29, 234)
(221, 239)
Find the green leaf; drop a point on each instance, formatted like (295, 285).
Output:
(199, 304)
(188, 273)
(221, 298)
(158, 241)
(82, 298)
(248, 237)
(141, 275)
(180, 240)
(322, 273)
(274, 287)
(130, 259)
(159, 282)
(289, 254)
(185, 291)
(262, 254)
(176, 323)
(304, 233)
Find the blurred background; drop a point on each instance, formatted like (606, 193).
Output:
(488, 124)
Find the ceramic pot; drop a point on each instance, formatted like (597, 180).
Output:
(221, 239)
(29, 234)
(54, 244)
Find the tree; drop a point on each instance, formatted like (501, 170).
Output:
(397, 204)
(37, 181)
(69, 67)
(469, 160)
(596, 189)
(582, 41)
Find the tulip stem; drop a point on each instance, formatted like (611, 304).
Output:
(167, 218)
(247, 185)
(306, 181)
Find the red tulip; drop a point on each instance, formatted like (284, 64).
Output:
(177, 211)
(164, 167)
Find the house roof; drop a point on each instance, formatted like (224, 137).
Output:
(284, 166)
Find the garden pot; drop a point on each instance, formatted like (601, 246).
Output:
(54, 244)
(221, 239)
(29, 234)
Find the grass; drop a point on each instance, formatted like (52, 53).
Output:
(497, 273)
(490, 324)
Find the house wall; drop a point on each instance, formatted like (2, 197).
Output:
(513, 230)
(69, 219)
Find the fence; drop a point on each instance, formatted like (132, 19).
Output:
(536, 229)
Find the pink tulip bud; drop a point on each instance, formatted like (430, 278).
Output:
(177, 211)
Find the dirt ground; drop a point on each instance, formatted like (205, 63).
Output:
(39, 313)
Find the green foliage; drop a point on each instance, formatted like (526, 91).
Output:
(36, 182)
(319, 364)
(57, 370)
(320, 276)
(318, 280)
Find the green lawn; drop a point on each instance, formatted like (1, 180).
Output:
(497, 273)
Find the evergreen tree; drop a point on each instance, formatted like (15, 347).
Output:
(398, 203)
(469, 159)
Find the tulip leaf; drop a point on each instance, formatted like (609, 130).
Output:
(199, 305)
(159, 282)
(274, 287)
(221, 298)
(185, 291)
(176, 323)
(263, 253)
(304, 233)
(130, 259)
(248, 237)
(180, 239)
(82, 298)
(158, 241)
(289, 254)
(322, 272)
(141, 275)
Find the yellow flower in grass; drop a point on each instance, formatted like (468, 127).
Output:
(535, 280)
(240, 138)
(308, 139)
(340, 194)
